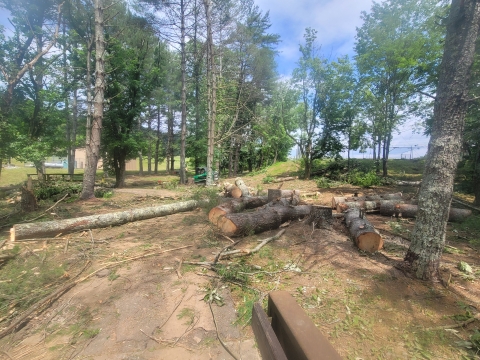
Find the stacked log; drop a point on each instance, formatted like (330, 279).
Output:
(266, 218)
(342, 199)
(243, 188)
(410, 211)
(365, 236)
(369, 206)
(234, 206)
(232, 190)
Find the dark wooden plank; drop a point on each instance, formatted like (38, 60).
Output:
(267, 342)
(297, 334)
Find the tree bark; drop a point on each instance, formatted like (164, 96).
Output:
(268, 218)
(244, 188)
(52, 228)
(234, 206)
(93, 146)
(365, 236)
(232, 191)
(444, 149)
(183, 123)
(274, 194)
(411, 211)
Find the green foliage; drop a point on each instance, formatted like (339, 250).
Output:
(358, 178)
(210, 194)
(268, 179)
(47, 190)
(323, 183)
(104, 193)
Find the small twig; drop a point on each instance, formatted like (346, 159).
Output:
(218, 335)
(174, 309)
(226, 237)
(454, 326)
(243, 252)
(225, 248)
(91, 236)
(179, 268)
(163, 340)
(66, 246)
(50, 208)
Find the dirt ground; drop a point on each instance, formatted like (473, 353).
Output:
(151, 308)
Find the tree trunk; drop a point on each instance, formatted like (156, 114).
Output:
(444, 149)
(411, 211)
(157, 142)
(183, 124)
(119, 167)
(73, 140)
(52, 228)
(93, 147)
(365, 236)
(28, 201)
(476, 179)
(140, 163)
(268, 218)
(235, 206)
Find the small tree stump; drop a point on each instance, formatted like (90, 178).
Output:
(320, 216)
(28, 202)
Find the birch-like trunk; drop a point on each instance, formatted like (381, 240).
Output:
(183, 125)
(444, 148)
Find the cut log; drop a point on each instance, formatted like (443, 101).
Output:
(410, 211)
(321, 216)
(341, 199)
(234, 206)
(268, 218)
(51, 228)
(232, 191)
(241, 185)
(282, 179)
(365, 236)
(408, 183)
(369, 206)
(274, 194)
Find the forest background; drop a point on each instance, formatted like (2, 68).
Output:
(197, 79)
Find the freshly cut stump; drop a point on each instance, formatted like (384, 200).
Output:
(320, 216)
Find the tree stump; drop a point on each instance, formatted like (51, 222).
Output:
(29, 201)
(320, 216)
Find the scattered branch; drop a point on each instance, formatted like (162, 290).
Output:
(454, 326)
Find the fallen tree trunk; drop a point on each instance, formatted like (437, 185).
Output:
(365, 236)
(234, 206)
(408, 183)
(51, 228)
(268, 218)
(244, 188)
(410, 211)
(288, 178)
(366, 205)
(232, 191)
(342, 199)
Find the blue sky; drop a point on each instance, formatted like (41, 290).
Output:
(336, 22)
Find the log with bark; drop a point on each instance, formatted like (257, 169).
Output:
(341, 199)
(51, 228)
(320, 216)
(408, 183)
(28, 201)
(234, 206)
(410, 211)
(369, 206)
(365, 236)
(232, 190)
(274, 194)
(244, 188)
(267, 218)
(282, 179)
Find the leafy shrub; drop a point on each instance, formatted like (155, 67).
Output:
(323, 183)
(47, 190)
(267, 179)
(103, 193)
(364, 179)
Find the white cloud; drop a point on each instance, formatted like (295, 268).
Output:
(335, 21)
